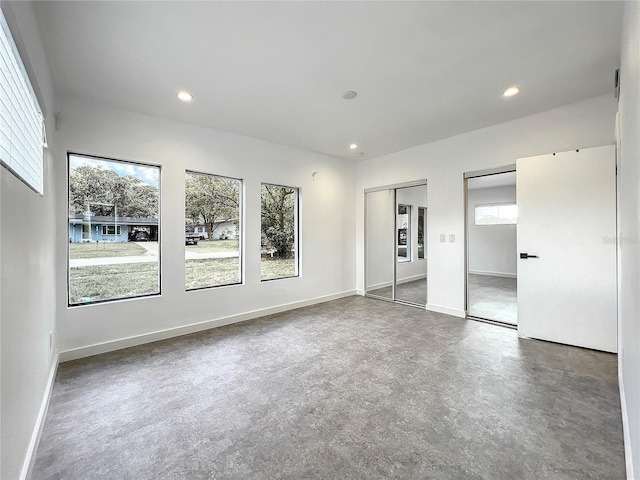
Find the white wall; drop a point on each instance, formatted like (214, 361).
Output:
(327, 224)
(629, 233)
(580, 125)
(27, 297)
(492, 248)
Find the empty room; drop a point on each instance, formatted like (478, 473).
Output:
(319, 240)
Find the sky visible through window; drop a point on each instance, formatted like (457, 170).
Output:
(148, 175)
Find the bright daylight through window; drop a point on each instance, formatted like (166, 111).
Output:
(21, 121)
(280, 249)
(212, 231)
(498, 214)
(114, 226)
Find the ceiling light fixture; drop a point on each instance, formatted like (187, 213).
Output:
(349, 95)
(185, 96)
(353, 146)
(511, 91)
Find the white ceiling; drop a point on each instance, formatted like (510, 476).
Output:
(277, 70)
(490, 181)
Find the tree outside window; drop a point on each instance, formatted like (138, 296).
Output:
(279, 227)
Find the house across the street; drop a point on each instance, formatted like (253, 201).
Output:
(224, 230)
(112, 229)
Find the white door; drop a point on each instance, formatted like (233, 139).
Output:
(567, 220)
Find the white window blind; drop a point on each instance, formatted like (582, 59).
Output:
(497, 214)
(21, 120)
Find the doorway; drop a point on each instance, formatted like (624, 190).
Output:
(395, 243)
(491, 236)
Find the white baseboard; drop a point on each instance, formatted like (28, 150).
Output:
(30, 458)
(493, 274)
(379, 285)
(413, 278)
(400, 281)
(446, 310)
(625, 430)
(119, 344)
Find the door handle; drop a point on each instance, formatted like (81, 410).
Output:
(526, 255)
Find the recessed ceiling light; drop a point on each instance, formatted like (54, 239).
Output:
(353, 146)
(511, 91)
(349, 94)
(185, 96)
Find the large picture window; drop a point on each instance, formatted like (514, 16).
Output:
(279, 220)
(212, 231)
(114, 226)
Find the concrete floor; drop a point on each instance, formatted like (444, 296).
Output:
(355, 388)
(493, 298)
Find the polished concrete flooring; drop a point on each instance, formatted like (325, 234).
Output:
(413, 292)
(355, 388)
(493, 298)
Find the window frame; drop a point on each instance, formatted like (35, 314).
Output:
(407, 247)
(27, 95)
(105, 229)
(498, 205)
(423, 211)
(118, 299)
(241, 230)
(296, 228)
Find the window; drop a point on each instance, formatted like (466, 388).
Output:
(422, 213)
(212, 231)
(21, 120)
(279, 221)
(111, 230)
(403, 223)
(119, 200)
(496, 214)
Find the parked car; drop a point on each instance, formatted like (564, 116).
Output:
(191, 238)
(141, 236)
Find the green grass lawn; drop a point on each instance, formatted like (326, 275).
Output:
(213, 246)
(271, 268)
(210, 272)
(104, 249)
(108, 282)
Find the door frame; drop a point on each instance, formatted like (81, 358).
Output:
(465, 179)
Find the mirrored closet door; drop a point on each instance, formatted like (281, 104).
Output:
(395, 243)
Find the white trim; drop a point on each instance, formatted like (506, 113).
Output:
(446, 310)
(398, 282)
(379, 285)
(30, 457)
(491, 171)
(119, 344)
(493, 274)
(412, 278)
(395, 186)
(628, 455)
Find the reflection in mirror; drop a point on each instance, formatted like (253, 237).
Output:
(403, 224)
(411, 271)
(380, 243)
(491, 246)
(422, 213)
